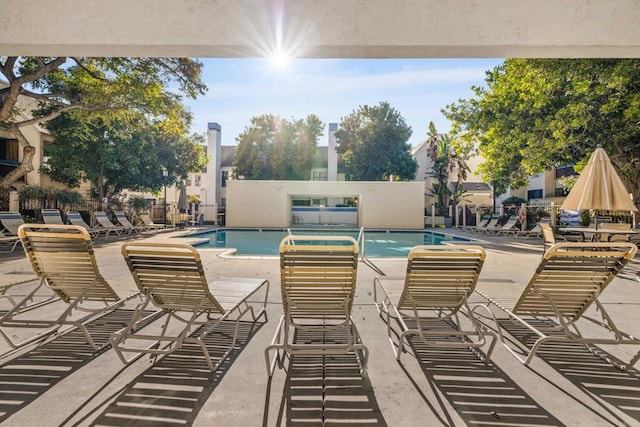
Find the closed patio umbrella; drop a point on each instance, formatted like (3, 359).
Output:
(599, 187)
(183, 202)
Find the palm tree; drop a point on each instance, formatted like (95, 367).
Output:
(447, 158)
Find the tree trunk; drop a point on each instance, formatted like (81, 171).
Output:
(27, 166)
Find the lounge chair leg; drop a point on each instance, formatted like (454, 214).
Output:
(276, 344)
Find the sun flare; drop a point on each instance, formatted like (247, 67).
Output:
(280, 60)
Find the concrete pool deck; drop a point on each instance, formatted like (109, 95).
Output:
(65, 383)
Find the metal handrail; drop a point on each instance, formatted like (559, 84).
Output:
(359, 239)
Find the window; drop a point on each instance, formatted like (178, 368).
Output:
(9, 149)
(224, 178)
(188, 182)
(198, 178)
(319, 176)
(46, 155)
(534, 194)
(565, 171)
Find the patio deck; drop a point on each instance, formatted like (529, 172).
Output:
(65, 383)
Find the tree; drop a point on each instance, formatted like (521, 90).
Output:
(114, 155)
(535, 114)
(448, 156)
(118, 87)
(275, 148)
(373, 143)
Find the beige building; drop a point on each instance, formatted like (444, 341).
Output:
(214, 188)
(475, 191)
(12, 154)
(384, 205)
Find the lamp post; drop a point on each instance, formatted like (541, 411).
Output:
(494, 197)
(165, 174)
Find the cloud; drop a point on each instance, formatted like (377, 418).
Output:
(312, 80)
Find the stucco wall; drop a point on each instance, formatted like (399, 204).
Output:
(323, 29)
(386, 205)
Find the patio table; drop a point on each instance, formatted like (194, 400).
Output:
(594, 234)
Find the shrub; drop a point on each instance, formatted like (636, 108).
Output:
(516, 201)
(32, 192)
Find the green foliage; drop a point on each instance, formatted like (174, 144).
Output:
(568, 182)
(32, 192)
(114, 155)
(59, 198)
(585, 217)
(66, 197)
(513, 200)
(118, 89)
(534, 215)
(441, 193)
(373, 144)
(448, 156)
(138, 203)
(535, 114)
(275, 148)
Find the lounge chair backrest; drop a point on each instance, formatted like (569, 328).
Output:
(536, 229)
(123, 220)
(547, 235)
(484, 221)
(511, 222)
(52, 216)
(76, 219)
(146, 219)
(493, 221)
(11, 221)
(104, 220)
(171, 274)
(64, 255)
(318, 276)
(545, 220)
(573, 274)
(441, 277)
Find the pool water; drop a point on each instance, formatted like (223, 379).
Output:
(376, 243)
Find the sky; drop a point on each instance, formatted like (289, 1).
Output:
(240, 89)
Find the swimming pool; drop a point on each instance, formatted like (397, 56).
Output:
(376, 243)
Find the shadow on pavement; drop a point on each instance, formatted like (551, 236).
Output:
(607, 385)
(174, 389)
(326, 390)
(28, 376)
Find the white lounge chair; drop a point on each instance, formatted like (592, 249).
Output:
(171, 277)
(62, 257)
(124, 221)
(483, 223)
(426, 303)
(489, 226)
(509, 227)
(318, 283)
(52, 216)
(146, 219)
(76, 219)
(570, 278)
(104, 222)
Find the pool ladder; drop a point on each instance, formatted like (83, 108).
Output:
(359, 240)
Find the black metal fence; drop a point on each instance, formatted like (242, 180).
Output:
(31, 208)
